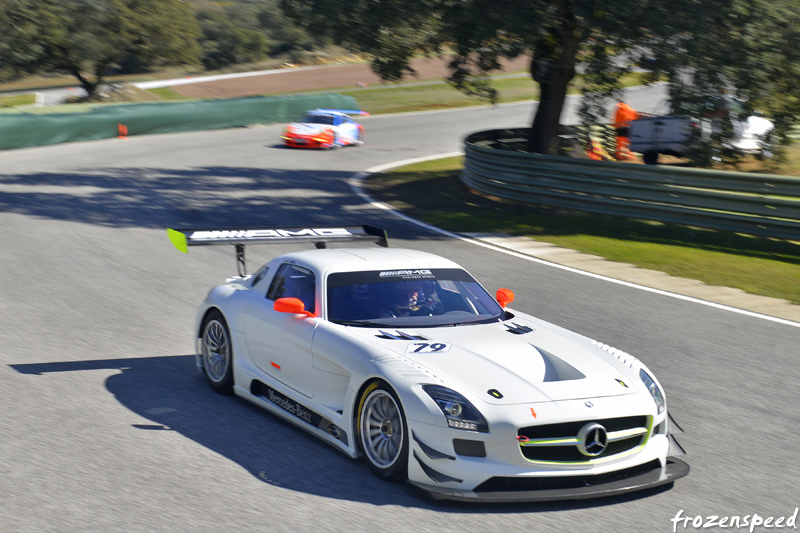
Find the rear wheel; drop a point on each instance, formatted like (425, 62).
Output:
(217, 352)
(383, 432)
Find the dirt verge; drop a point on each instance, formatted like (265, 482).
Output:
(331, 77)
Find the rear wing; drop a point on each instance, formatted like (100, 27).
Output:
(345, 111)
(183, 238)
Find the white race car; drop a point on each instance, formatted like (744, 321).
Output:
(402, 357)
(325, 128)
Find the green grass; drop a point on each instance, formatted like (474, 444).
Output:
(438, 94)
(168, 94)
(85, 107)
(66, 108)
(17, 100)
(432, 192)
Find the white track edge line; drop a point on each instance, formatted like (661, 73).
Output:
(355, 184)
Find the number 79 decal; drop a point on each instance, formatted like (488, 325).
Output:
(429, 347)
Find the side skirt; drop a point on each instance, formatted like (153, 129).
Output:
(284, 406)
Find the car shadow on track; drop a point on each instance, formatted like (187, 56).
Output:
(174, 397)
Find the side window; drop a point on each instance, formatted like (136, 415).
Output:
(259, 275)
(292, 281)
(337, 120)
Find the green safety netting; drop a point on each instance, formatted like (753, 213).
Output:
(28, 129)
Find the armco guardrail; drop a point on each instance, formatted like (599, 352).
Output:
(28, 129)
(754, 204)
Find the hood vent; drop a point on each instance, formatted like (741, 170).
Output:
(625, 358)
(399, 336)
(516, 329)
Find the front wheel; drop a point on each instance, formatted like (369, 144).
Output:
(383, 432)
(650, 158)
(217, 353)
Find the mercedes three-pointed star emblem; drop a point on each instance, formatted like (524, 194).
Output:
(593, 439)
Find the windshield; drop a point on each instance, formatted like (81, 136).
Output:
(317, 119)
(403, 298)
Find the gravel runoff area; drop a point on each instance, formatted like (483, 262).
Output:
(324, 77)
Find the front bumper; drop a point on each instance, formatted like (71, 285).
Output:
(307, 141)
(499, 489)
(496, 466)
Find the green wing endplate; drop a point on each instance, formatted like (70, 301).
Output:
(178, 240)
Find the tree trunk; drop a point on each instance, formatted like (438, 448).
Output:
(88, 85)
(553, 67)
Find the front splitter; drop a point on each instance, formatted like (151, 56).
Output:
(673, 470)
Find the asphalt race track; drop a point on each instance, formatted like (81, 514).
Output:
(106, 426)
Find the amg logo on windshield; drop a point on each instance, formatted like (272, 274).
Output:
(407, 274)
(268, 234)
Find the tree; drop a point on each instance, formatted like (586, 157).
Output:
(747, 50)
(606, 37)
(224, 43)
(286, 36)
(86, 38)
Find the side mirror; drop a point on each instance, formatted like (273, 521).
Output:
(293, 306)
(504, 297)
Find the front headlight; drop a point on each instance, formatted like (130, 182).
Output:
(460, 414)
(655, 392)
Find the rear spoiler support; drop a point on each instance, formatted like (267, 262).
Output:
(320, 236)
(241, 266)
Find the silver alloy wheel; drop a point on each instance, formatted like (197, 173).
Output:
(216, 351)
(381, 429)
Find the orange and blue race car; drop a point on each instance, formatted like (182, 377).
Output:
(325, 128)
